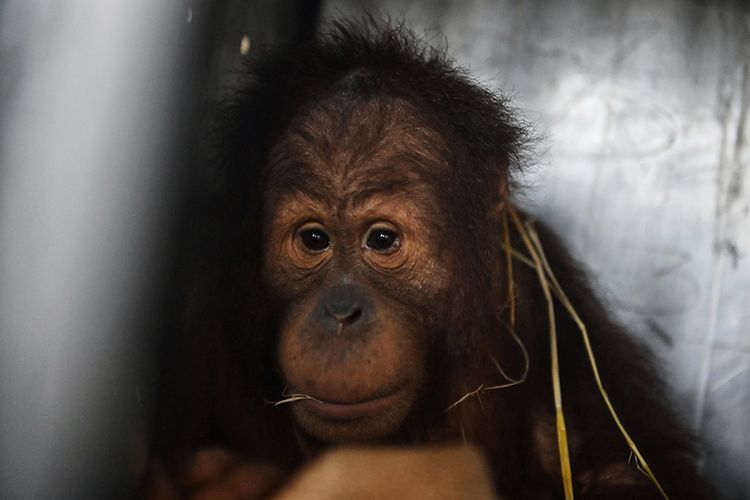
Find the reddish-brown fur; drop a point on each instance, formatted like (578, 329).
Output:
(364, 126)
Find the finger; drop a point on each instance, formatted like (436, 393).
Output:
(206, 466)
(245, 481)
(159, 484)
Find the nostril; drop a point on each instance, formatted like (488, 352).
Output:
(346, 314)
(354, 315)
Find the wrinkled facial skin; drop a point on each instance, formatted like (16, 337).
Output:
(353, 260)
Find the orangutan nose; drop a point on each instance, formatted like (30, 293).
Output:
(345, 312)
(346, 304)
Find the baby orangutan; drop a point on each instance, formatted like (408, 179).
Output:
(353, 288)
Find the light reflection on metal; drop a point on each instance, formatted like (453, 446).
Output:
(86, 92)
(244, 45)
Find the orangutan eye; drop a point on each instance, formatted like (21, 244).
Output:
(314, 239)
(382, 240)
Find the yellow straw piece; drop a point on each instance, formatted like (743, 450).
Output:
(509, 271)
(562, 435)
(291, 398)
(510, 254)
(534, 245)
(640, 461)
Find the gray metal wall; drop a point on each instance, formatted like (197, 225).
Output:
(95, 103)
(644, 105)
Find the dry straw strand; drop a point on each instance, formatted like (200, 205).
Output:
(562, 434)
(640, 461)
(291, 398)
(509, 271)
(510, 254)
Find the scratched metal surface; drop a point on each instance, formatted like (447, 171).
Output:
(645, 169)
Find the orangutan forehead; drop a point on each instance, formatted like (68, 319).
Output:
(360, 147)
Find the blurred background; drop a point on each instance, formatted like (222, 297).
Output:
(643, 168)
